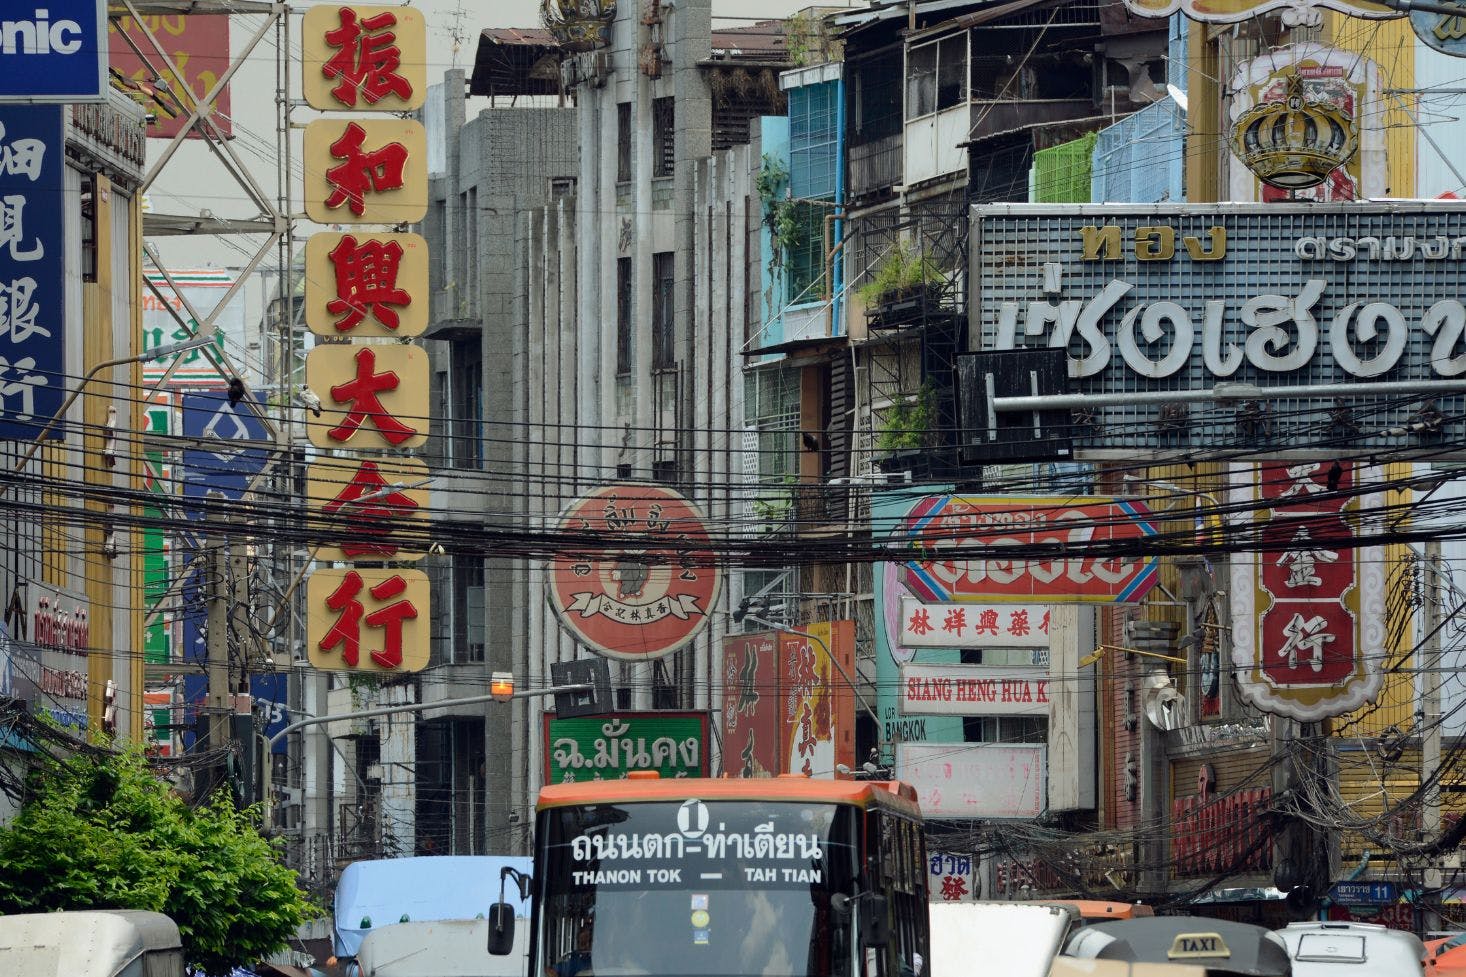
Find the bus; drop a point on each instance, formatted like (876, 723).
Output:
(776, 877)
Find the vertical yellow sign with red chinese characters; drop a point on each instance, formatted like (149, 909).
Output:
(366, 295)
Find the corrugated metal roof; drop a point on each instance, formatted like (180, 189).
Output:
(759, 41)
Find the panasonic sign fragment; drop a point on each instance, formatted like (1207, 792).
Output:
(53, 51)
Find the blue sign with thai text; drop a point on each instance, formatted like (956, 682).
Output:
(32, 255)
(1363, 893)
(53, 51)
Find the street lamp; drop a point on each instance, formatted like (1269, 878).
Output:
(743, 613)
(156, 353)
(497, 695)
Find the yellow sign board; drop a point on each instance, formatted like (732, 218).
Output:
(368, 509)
(366, 171)
(364, 59)
(366, 286)
(373, 396)
(1188, 946)
(368, 619)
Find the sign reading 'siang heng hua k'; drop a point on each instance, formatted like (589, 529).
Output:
(1171, 299)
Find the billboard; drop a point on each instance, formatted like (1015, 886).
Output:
(201, 289)
(1308, 606)
(750, 714)
(636, 579)
(33, 377)
(988, 528)
(54, 51)
(975, 690)
(974, 780)
(1237, 300)
(674, 744)
(198, 45)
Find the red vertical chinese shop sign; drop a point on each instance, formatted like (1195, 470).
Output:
(1308, 614)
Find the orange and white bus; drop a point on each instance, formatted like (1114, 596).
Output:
(776, 877)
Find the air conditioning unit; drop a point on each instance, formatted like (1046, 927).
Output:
(373, 772)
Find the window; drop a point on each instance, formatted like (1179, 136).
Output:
(468, 609)
(936, 76)
(665, 471)
(664, 332)
(623, 317)
(623, 142)
(664, 150)
(806, 259)
(562, 186)
(467, 415)
(88, 229)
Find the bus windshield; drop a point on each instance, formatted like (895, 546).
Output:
(695, 889)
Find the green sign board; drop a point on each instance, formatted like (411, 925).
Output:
(674, 744)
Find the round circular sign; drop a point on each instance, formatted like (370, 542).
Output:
(637, 579)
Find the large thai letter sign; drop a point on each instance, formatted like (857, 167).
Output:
(636, 578)
(1308, 606)
(1054, 549)
(1239, 300)
(32, 255)
(53, 51)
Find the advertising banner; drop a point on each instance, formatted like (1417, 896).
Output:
(372, 397)
(54, 51)
(33, 377)
(1104, 569)
(751, 705)
(674, 744)
(198, 45)
(974, 780)
(818, 717)
(367, 620)
(1231, 11)
(1173, 299)
(974, 625)
(1308, 607)
(201, 289)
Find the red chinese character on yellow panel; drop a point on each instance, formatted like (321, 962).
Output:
(368, 509)
(372, 396)
(366, 285)
(368, 619)
(359, 58)
(367, 171)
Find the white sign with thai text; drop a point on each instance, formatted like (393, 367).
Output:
(974, 690)
(974, 780)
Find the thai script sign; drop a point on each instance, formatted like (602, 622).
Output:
(1308, 606)
(986, 529)
(198, 46)
(637, 578)
(951, 878)
(675, 744)
(1150, 301)
(1444, 32)
(1211, 834)
(193, 291)
(974, 690)
(1231, 11)
(1364, 893)
(1331, 77)
(972, 625)
(32, 256)
(53, 51)
(975, 780)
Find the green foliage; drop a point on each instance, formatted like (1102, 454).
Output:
(800, 38)
(909, 422)
(779, 213)
(105, 833)
(905, 269)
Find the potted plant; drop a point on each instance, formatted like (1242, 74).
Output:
(907, 281)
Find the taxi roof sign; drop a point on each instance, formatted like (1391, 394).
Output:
(1189, 946)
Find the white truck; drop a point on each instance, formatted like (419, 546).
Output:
(440, 948)
(99, 943)
(1007, 938)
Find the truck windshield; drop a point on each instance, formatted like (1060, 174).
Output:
(695, 889)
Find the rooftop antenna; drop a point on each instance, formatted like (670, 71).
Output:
(456, 17)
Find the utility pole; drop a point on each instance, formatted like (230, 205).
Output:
(227, 569)
(1430, 723)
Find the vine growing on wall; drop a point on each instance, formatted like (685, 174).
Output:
(772, 185)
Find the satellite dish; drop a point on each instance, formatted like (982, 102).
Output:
(1165, 707)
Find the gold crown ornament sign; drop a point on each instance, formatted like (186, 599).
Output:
(1295, 143)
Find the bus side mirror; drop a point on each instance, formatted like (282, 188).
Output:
(501, 929)
(875, 920)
